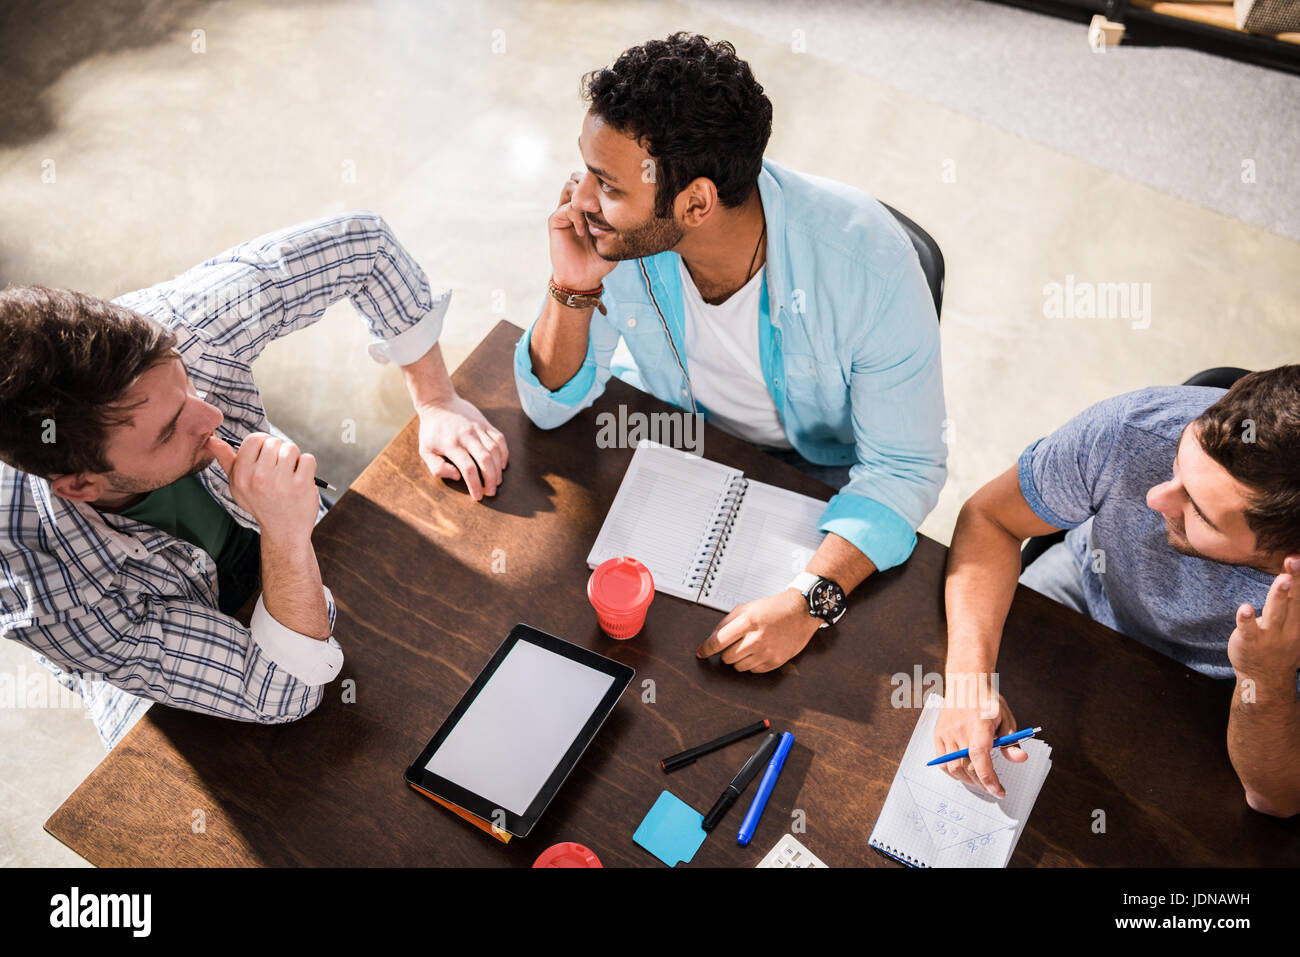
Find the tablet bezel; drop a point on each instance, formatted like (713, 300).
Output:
(520, 824)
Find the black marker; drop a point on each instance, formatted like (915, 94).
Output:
(683, 758)
(741, 781)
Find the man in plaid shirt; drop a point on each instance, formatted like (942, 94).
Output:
(143, 501)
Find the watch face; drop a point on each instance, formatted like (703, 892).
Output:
(826, 600)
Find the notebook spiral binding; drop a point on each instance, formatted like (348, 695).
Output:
(703, 567)
(900, 856)
(732, 499)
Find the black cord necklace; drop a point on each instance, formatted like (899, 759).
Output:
(754, 258)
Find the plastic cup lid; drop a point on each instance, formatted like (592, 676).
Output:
(620, 586)
(567, 854)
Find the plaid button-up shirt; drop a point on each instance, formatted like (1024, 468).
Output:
(109, 601)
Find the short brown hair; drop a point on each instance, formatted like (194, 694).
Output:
(68, 360)
(1253, 431)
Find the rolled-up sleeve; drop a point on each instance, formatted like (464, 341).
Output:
(180, 653)
(410, 345)
(547, 409)
(267, 287)
(308, 659)
(896, 391)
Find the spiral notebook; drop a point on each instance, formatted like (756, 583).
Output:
(707, 533)
(930, 820)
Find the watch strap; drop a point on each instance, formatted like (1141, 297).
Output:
(803, 582)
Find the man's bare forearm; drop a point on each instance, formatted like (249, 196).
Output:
(291, 587)
(840, 560)
(1264, 743)
(983, 568)
(559, 343)
(427, 380)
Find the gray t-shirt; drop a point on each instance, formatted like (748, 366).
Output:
(1092, 476)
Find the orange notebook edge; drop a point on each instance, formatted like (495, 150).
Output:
(478, 822)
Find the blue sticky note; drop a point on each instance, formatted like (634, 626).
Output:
(671, 831)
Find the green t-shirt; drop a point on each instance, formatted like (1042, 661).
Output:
(186, 510)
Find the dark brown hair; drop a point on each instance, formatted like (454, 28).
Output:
(66, 361)
(1253, 431)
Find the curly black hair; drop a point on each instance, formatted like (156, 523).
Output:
(698, 108)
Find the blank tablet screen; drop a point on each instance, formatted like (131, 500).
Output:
(519, 726)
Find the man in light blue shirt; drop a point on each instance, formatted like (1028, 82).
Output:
(677, 220)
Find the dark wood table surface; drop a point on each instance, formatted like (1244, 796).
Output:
(428, 583)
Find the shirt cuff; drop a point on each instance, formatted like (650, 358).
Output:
(308, 659)
(409, 345)
(1025, 475)
(569, 394)
(875, 530)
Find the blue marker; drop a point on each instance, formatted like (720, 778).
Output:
(1001, 742)
(764, 790)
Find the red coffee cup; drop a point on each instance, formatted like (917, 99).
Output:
(621, 590)
(567, 854)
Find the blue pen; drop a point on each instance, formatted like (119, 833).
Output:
(764, 790)
(1001, 742)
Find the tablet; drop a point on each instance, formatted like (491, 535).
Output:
(510, 742)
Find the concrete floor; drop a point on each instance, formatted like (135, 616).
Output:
(460, 122)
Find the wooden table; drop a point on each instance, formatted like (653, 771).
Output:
(428, 583)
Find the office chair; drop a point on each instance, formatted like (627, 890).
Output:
(927, 250)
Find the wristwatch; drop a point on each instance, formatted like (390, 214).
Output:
(826, 599)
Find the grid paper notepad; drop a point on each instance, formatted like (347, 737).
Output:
(930, 820)
(707, 533)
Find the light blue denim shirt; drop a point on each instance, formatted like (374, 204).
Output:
(848, 341)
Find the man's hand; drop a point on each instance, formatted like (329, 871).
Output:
(274, 481)
(1268, 646)
(763, 634)
(973, 727)
(455, 438)
(574, 260)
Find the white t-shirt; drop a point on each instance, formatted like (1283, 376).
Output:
(723, 360)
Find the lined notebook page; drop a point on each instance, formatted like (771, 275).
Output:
(930, 820)
(661, 514)
(774, 535)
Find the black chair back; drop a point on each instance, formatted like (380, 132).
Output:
(1220, 377)
(927, 250)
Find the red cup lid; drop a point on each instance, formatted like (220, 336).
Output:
(620, 586)
(567, 854)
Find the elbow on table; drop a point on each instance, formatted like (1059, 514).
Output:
(294, 709)
(548, 422)
(546, 415)
(1274, 805)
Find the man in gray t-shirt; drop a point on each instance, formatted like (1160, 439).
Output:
(1092, 476)
(1183, 506)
